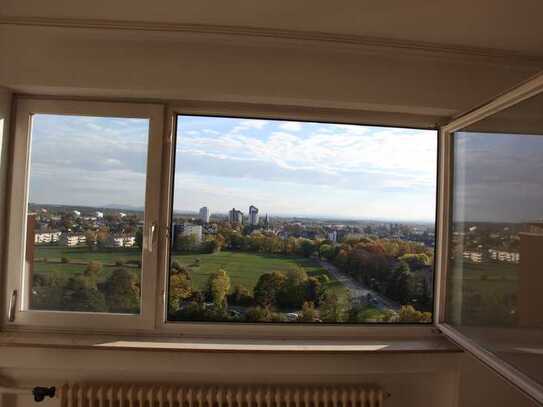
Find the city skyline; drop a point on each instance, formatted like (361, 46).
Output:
(306, 169)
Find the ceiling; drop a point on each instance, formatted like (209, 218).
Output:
(509, 25)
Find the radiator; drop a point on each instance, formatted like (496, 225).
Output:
(95, 395)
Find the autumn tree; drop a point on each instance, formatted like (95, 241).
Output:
(218, 286)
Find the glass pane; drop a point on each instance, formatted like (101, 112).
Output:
(85, 213)
(277, 221)
(495, 275)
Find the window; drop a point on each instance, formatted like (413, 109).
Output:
(494, 276)
(85, 206)
(287, 221)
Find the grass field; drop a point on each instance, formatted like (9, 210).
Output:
(246, 268)
(243, 268)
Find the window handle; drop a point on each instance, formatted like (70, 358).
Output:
(12, 306)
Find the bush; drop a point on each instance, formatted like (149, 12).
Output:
(64, 260)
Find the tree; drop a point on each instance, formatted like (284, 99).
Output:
(79, 295)
(121, 292)
(268, 287)
(261, 314)
(180, 290)
(92, 272)
(334, 308)
(185, 243)
(327, 251)
(139, 238)
(102, 236)
(409, 314)
(90, 239)
(306, 247)
(309, 313)
(313, 290)
(240, 296)
(293, 291)
(218, 286)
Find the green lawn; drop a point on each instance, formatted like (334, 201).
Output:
(246, 268)
(243, 268)
(79, 257)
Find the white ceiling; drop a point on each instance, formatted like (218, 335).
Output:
(512, 25)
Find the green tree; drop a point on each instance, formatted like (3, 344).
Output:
(334, 308)
(293, 291)
(79, 295)
(268, 287)
(139, 238)
(327, 251)
(306, 247)
(240, 296)
(218, 286)
(122, 292)
(185, 243)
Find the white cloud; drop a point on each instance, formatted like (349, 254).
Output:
(291, 126)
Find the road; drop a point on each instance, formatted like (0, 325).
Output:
(358, 290)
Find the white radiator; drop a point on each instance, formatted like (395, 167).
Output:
(95, 395)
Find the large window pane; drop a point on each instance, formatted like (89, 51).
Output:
(85, 213)
(277, 221)
(495, 275)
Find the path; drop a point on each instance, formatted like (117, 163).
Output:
(358, 290)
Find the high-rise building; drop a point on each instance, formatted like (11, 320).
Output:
(204, 214)
(235, 216)
(253, 215)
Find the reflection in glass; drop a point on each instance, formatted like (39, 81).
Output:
(495, 273)
(85, 213)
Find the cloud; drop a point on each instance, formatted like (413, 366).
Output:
(291, 126)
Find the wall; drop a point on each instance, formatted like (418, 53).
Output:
(480, 386)
(189, 66)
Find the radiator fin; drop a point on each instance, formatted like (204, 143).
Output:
(122, 395)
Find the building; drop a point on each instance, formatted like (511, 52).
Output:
(235, 216)
(503, 256)
(253, 215)
(46, 237)
(121, 240)
(332, 236)
(204, 214)
(72, 239)
(188, 229)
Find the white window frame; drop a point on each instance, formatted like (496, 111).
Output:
(504, 101)
(260, 330)
(18, 313)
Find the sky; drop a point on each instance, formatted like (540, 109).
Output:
(305, 169)
(281, 167)
(498, 177)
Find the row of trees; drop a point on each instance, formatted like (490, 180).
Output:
(87, 291)
(274, 294)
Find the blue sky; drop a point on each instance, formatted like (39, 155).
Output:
(302, 168)
(283, 168)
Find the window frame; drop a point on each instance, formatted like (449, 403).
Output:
(514, 96)
(16, 275)
(267, 330)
